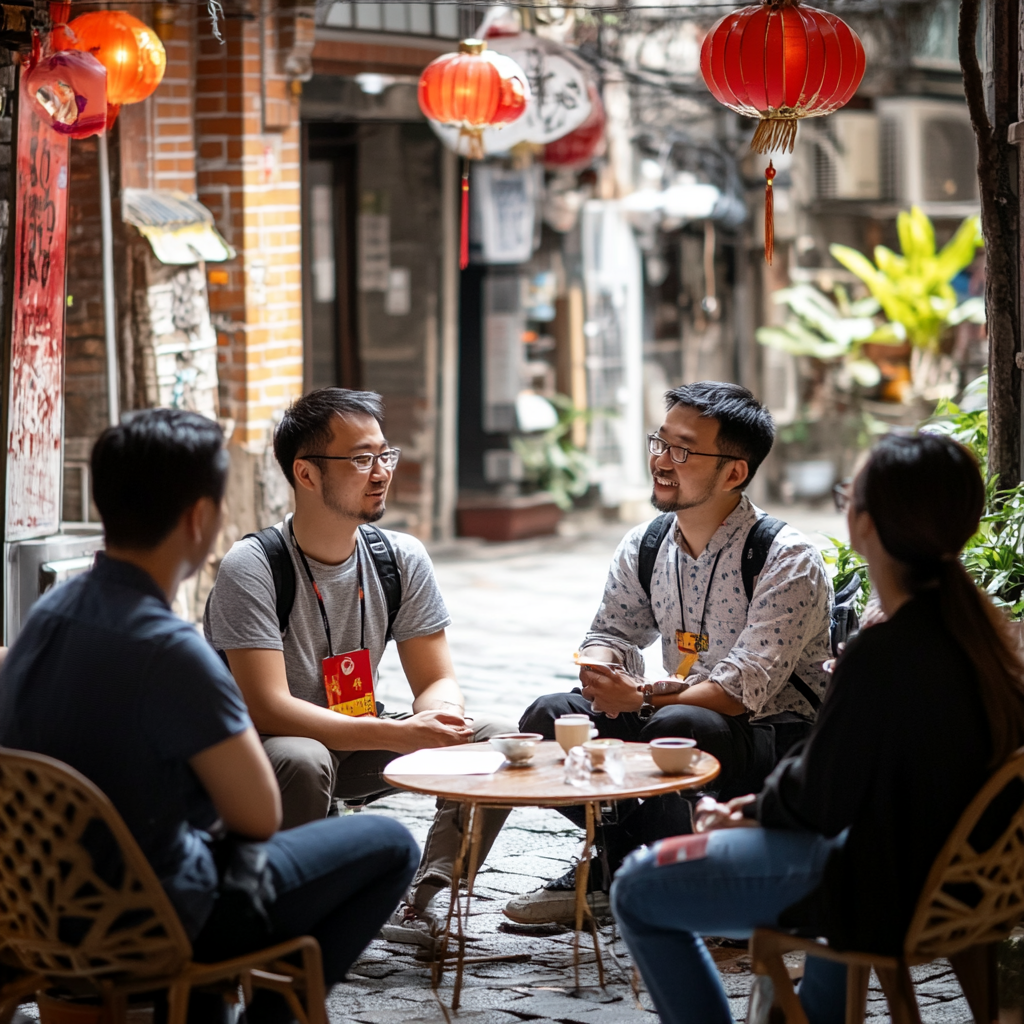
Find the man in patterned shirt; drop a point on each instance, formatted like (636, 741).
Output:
(743, 678)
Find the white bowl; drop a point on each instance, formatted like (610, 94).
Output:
(518, 747)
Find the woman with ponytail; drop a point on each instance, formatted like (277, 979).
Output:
(921, 710)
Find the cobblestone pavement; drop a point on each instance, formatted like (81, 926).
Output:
(519, 610)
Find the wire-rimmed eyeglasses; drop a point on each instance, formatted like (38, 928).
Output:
(841, 495)
(658, 446)
(364, 462)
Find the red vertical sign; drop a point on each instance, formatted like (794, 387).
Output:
(36, 403)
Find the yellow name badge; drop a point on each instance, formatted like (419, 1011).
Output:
(690, 646)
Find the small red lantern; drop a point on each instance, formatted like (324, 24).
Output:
(473, 89)
(70, 90)
(129, 49)
(779, 61)
(575, 150)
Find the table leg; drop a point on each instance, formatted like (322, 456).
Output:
(476, 835)
(437, 968)
(593, 920)
(582, 877)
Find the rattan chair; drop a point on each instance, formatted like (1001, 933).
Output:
(973, 897)
(100, 920)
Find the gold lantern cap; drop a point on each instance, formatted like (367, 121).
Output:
(472, 46)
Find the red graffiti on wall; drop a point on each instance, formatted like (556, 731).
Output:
(36, 409)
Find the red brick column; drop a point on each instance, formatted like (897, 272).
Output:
(248, 175)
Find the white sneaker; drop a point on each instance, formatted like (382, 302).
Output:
(412, 927)
(555, 903)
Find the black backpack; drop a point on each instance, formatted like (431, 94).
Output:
(283, 569)
(755, 552)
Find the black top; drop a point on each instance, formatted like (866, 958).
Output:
(106, 678)
(899, 750)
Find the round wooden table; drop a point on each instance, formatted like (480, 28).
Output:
(541, 783)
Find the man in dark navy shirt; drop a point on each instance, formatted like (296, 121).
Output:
(107, 679)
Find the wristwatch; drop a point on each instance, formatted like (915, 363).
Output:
(647, 708)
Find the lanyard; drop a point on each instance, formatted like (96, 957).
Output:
(319, 597)
(679, 584)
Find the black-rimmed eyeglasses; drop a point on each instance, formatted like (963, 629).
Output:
(388, 459)
(658, 446)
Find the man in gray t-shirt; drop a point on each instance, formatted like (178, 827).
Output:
(331, 449)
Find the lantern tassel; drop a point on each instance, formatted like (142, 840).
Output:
(464, 231)
(769, 214)
(774, 133)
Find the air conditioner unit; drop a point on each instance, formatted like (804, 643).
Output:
(929, 155)
(846, 156)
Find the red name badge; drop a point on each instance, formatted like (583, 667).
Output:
(348, 681)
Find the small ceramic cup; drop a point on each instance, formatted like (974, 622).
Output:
(675, 755)
(573, 731)
(518, 747)
(597, 749)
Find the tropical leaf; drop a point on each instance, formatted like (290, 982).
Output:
(913, 288)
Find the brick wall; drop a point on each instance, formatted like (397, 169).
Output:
(248, 175)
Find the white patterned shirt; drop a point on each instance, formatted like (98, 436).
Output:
(754, 648)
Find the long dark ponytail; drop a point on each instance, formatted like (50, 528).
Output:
(925, 496)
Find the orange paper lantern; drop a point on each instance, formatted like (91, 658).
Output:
(473, 89)
(129, 49)
(779, 62)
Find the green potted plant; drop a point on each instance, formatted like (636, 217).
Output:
(915, 293)
(551, 461)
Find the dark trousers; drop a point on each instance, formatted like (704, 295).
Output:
(746, 752)
(338, 880)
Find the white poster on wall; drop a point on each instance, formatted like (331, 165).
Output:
(505, 203)
(374, 236)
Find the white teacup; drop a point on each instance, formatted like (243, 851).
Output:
(518, 747)
(675, 755)
(573, 731)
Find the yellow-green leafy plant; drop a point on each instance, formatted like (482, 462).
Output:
(914, 289)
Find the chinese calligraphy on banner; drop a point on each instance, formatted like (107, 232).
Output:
(36, 402)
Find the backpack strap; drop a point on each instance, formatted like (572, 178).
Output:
(755, 550)
(654, 536)
(387, 570)
(755, 553)
(283, 569)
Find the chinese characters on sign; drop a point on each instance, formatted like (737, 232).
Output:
(36, 402)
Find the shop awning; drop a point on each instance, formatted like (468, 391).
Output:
(179, 229)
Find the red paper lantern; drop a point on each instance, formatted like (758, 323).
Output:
(575, 150)
(779, 61)
(129, 49)
(70, 92)
(473, 89)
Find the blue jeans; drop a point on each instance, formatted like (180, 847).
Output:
(742, 879)
(338, 880)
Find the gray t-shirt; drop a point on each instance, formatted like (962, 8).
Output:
(241, 610)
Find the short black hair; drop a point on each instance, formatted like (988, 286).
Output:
(745, 427)
(307, 425)
(152, 466)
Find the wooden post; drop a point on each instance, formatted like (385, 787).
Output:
(571, 353)
(997, 129)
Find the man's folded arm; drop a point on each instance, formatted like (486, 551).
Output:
(261, 676)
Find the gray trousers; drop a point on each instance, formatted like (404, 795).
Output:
(312, 777)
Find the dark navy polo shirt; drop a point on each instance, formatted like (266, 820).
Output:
(106, 678)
